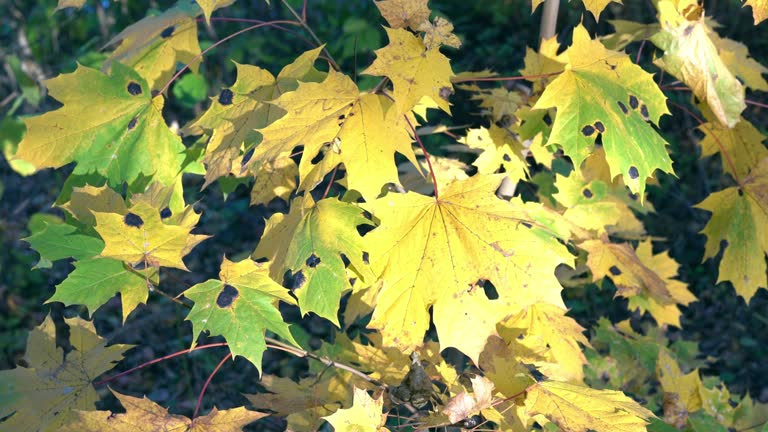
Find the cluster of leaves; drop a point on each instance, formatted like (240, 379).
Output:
(408, 239)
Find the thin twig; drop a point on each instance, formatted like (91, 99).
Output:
(330, 182)
(208, 381)
(426, 156)
(303, 23)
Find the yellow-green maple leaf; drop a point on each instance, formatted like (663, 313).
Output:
(741, 147)
(310, 243)
(365, 415)
(208, 6)
(439, 32)
(43, 395)
(415, 71)
(603, 92)
(576, 408)
(141, 236)
(154, 45)
(691, 56)
(404, 13)
(428, 250)
(109, 124)
(500, 149)
(759, 9)
(740, 216)
(333, 121)
(736, 56)
(274, 179)
(143, 415)
(241, 306)
(687, 386)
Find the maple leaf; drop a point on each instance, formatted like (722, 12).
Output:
(736, 56)
(154, 45)
(740, 217)
(333, 121)
(404, 13)
(236, 113)
(86, 200)
(500, 150)
(63, 4)
(365, 415)
(141, 236)
(241, 306)
(427, 251)
(415, 71)
(594, 6)
(601, 92)
(208, 6)
(759, 9)
(576, 408)
(274, 179)
(311, 243)
(60, 240)
(691, 56)
(109, 124)
(439, 32)
(43, 395)
(464, 405)
(143, 415)
(687, 387)
(741, 147)
(501, 102)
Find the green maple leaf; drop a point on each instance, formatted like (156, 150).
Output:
(310, 242)
(109, 124)
(603, 92)
(59, 241)
(740, 216)
(241, 306)
(43, 395)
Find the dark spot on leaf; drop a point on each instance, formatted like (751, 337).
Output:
(225, 97)
(526, 224)
(633, 196)
(318, 157)
(134, 88)
(365, 257)
(623, 107)
(165, 213)
(133, 220)
(313, 261)
(247, 156)
(633, 102)
(614, 270)
(167, 32)
(741, 192)
(352, 281)
(600, 126)
(227, 296)
(587, 193)
(342, 117)
(588, 130)
(479, 138)
(688, 30)
(132, 124)
(490, 290)
(506, 158)
(345, 260)
(445, 92)
(644, 111)
(298, 280)
(633, 173)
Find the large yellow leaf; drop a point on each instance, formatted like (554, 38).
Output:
(691, 56)
(740, 216)
(741, 147)
(43, 395)
(143, 415)
(365, 415)
(500, 149)
(404, 13)
(759, 9)
(576, 408)
(601, 92)
(428, 250)
(336, 124)
(415, 70)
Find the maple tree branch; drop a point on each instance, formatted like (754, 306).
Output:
(257, 21)
(513, 78)
(726, 155)
(158, 360)
(755, 103)
(219, 42)
(208, 381)
(302, 19)
(426, 156)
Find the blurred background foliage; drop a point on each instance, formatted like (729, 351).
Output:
(38, 42)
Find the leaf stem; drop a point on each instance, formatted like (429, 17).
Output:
(257, 21)
(158, 360)
(426, 156)
(512, 78)
(219, 42)
(302, 19)
(208, 381)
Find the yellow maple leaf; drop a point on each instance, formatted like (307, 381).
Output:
(576, 408)
(687, 386)
(404, 13)
(741, 147)
(428, 250)
(594, 6)
(500, 149)
(141, 236)
(691, 56)
(736, 56)
(439, 32)
(208, 6)
(415, 71)
(365, 415)
(274, 179)
(464, 405)
(759, 9)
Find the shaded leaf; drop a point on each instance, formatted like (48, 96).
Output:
(365, 415)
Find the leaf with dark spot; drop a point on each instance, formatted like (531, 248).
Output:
(133, 220)
(633, 102)
(167, 32)
(587, 193)
(298, 280)
(622, 107)
(165, 213)
(600, 126)
(446, 92)
(366, 257)
(313, 261)
(633, 173)
(644, 111)
(588, 130)
(227, 296)
(132, 124)
(614, 270)
(134, 88)
(506, 158)
(225, 97)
